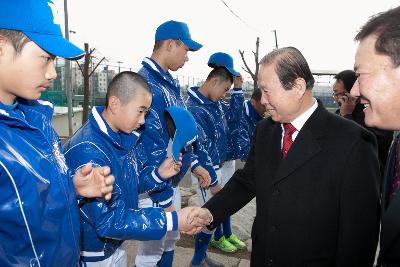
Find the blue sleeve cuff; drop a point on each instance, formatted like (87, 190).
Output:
(194, 165)
(237, 90)
(213, 183)
(157, 177)
(172, 221)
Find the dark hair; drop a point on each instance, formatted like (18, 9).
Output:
(386, 27)
(125, 85)
(348, 77)
(290, 64)
(158, 44)
(222, 73)
(256, 95)
(17, 39)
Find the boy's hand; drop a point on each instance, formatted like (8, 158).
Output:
(347, 104)
(169, 167)
(203, 176)
(193, 219)
(237, 81)
(93, 182)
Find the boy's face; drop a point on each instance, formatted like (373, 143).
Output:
(179, 55)
(219, 89)
(131, 116)
(26, 74)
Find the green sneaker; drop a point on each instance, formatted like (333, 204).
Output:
(223, 244)
(234, 240)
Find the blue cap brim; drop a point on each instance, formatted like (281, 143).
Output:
(233, 72)
(192, 45)
(56, 45)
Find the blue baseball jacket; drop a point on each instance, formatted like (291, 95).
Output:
(214, 119)
(106, 224)
(248, 123)
(166, 92)
(39, 214)
(233, 112)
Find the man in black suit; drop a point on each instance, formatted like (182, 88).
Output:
(377, 64)
(314, 175)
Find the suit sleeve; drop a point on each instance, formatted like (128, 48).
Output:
(113, 219)
(359, 205)
(239, 191)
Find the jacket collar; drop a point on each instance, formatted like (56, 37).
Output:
(251, 111)
(123, 140)
(34, 112)
(151, 64)
(194, 93)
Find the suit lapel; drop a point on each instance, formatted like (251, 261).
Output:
(273, 150)
(305, 146)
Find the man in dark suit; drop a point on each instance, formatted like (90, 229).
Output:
(314, 175)
(377, 64)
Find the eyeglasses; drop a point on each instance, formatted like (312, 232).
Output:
(336, 95)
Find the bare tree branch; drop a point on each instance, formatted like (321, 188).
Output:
(96, 66)
(245, 63)
(247, 69)
(80, 67)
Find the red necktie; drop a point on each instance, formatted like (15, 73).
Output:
(396, 179)
(287, 138)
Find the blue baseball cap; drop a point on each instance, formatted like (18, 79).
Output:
(37, 20)
(178, 31)
(182, 126)
(221, 59)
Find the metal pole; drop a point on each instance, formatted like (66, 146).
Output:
(119, 66)
(276, 40)
(68, 74)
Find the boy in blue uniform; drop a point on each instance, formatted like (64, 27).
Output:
(253, 112)
(39, 203)
(172, 43)
(211, 115)
(110, 138)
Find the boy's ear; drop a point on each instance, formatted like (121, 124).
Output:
(113, 103)
(169, 43)
(214, 81)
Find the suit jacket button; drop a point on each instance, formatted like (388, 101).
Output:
(269, 262)
(273, 228)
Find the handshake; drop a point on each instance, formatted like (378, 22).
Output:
(192, 220)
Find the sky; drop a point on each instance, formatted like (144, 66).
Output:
(123, 30)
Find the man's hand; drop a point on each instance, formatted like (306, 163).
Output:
(237, 81)
(347, 104)
(169, 167)
(203, 176)
(192, 220)
(93, 182)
